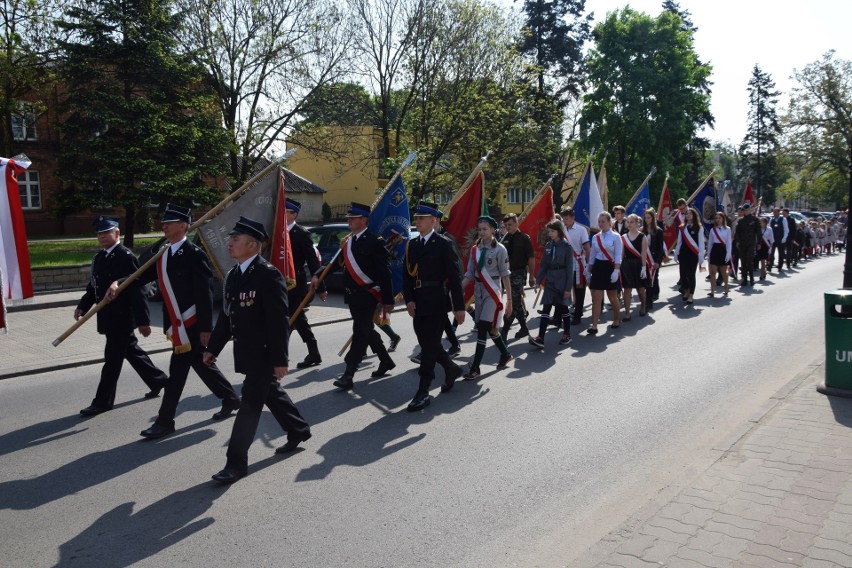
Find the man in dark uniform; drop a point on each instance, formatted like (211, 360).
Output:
(118, 318)
(792, 231)
(367, 288)
(747, 236)
(522, 264)
(187, 319)
(431, 269)
(255, 314)
(780, 232)
(303, 253)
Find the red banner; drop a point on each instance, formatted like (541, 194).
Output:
(462, 221)
(666, 216)
(281, 254)
(16, 283)
(534, 222)
(748, 195)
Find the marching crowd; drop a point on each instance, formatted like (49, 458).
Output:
(620, 256)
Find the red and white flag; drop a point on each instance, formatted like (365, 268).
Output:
(462, 220)
(281, 252)
(748, 195)
(16, 283)
(666, 215)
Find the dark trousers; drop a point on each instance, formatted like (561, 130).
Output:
(688, 263)
(450, 331)
(121, 346)
(791, 251)
(579, 300)
(429, 330)
(362, 307)
(780, 248)
(655, 286)
(300, 324)
(518, 280)
(260, 389)
(179, 366)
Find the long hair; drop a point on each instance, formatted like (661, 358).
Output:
(646, 227)
(696, 218)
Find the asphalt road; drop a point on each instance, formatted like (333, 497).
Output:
(525, 467)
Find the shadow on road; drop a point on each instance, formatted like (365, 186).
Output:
(123, 537)
(92, 470)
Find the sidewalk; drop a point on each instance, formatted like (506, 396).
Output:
(780, 495)
(27, 348)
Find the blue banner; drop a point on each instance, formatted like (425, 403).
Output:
(641, 203)
(707, 205)
(389, 220)
(588, 205)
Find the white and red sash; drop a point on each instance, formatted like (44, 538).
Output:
(686, 237)
(724, 244)
(581, 270)
(628, 244)
(608, 256)
(490, 285)
(358, 275)
(765, 241)
(178, 322)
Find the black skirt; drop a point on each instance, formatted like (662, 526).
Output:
(601, 273)
(717, 254)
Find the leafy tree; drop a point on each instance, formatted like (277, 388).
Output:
(338, 104)
(649, 96)
(760, 146)
(264, 59)
(137, 125)
(819, 130)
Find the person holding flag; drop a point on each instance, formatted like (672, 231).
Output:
(431, 287)
(184, 275)
(303, 254)
(488, 268)
(689, 252)
(367, 289)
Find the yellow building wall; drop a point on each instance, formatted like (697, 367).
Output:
(348, 170)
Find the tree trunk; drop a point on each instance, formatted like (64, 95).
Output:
(129, 225)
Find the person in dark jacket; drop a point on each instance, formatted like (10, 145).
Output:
(556, 274)
(118, 318)
(255, 314)
(184, 274)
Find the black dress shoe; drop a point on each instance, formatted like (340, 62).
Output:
(228, 475)
(311, 360)
(454, 350)
(157, 431)
(229, 406)
(153, 393)
(293, 443)
(451, 375)
(345, 382)
(94, 410)
(420, 402)
(383, 369)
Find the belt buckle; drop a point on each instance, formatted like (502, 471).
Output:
(417, 284)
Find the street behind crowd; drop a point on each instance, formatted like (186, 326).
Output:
(555, 461)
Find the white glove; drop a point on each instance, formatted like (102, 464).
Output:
(614, 277)
(588, 274)
(644, 273)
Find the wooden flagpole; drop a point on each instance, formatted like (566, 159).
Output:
(460, 192)
(204, 218)
(700, 187)
(641, 185)
(536, 199)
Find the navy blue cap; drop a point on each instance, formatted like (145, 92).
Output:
(292, 205)
(250, 227)
(177, 213)
(487, 219)
(358, 210)
(746, 205)
(104, 223)
(426, 209)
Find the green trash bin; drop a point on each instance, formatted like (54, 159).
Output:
(838, 344)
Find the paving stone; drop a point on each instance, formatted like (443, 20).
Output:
(830, 555)
(665, 534)
(730, 530)
(636, 544)
(843, 547)
(674, 525)
(624, 561)
(661, 552)
(730, 548)
(703, 558)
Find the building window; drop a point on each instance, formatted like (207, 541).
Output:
(529, 195)
(30, 189)
(24, 124)
(443, 197)
(513, 195)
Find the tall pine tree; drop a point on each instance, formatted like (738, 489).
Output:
(759, 148)
(138, 125)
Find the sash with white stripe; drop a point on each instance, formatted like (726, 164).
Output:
(687, 238)
(178, 321)
(358, 275)
(490, 285)
(649, 266)
(724, 244)
(608, 256)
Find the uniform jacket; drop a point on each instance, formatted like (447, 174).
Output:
(372, 256)
(747, 232)
(656, 244)
(303, 253)
(129, 309)
(255, 314)
(430, 271)
(189, 272)
(556, 270)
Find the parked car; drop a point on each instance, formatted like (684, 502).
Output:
(327, 240)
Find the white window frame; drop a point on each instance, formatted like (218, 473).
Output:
(29, 186)
(529, 195)
(513, 195)
(24, 122)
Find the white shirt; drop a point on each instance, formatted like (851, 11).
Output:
(725, 235)
(110, 249)
(611, 242)
(577, 237)
(177, 245)
(425, 237)
(244, 265)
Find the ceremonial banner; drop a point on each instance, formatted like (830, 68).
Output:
(389, 219)
(727, 203)
(640, 202)
(280, 251)
(602, 186)
(16, 283)
(588, 205)
(461, 224)
(666, 217)
(704, 200)
(534, 220)
(257, 203)
(748, 195)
